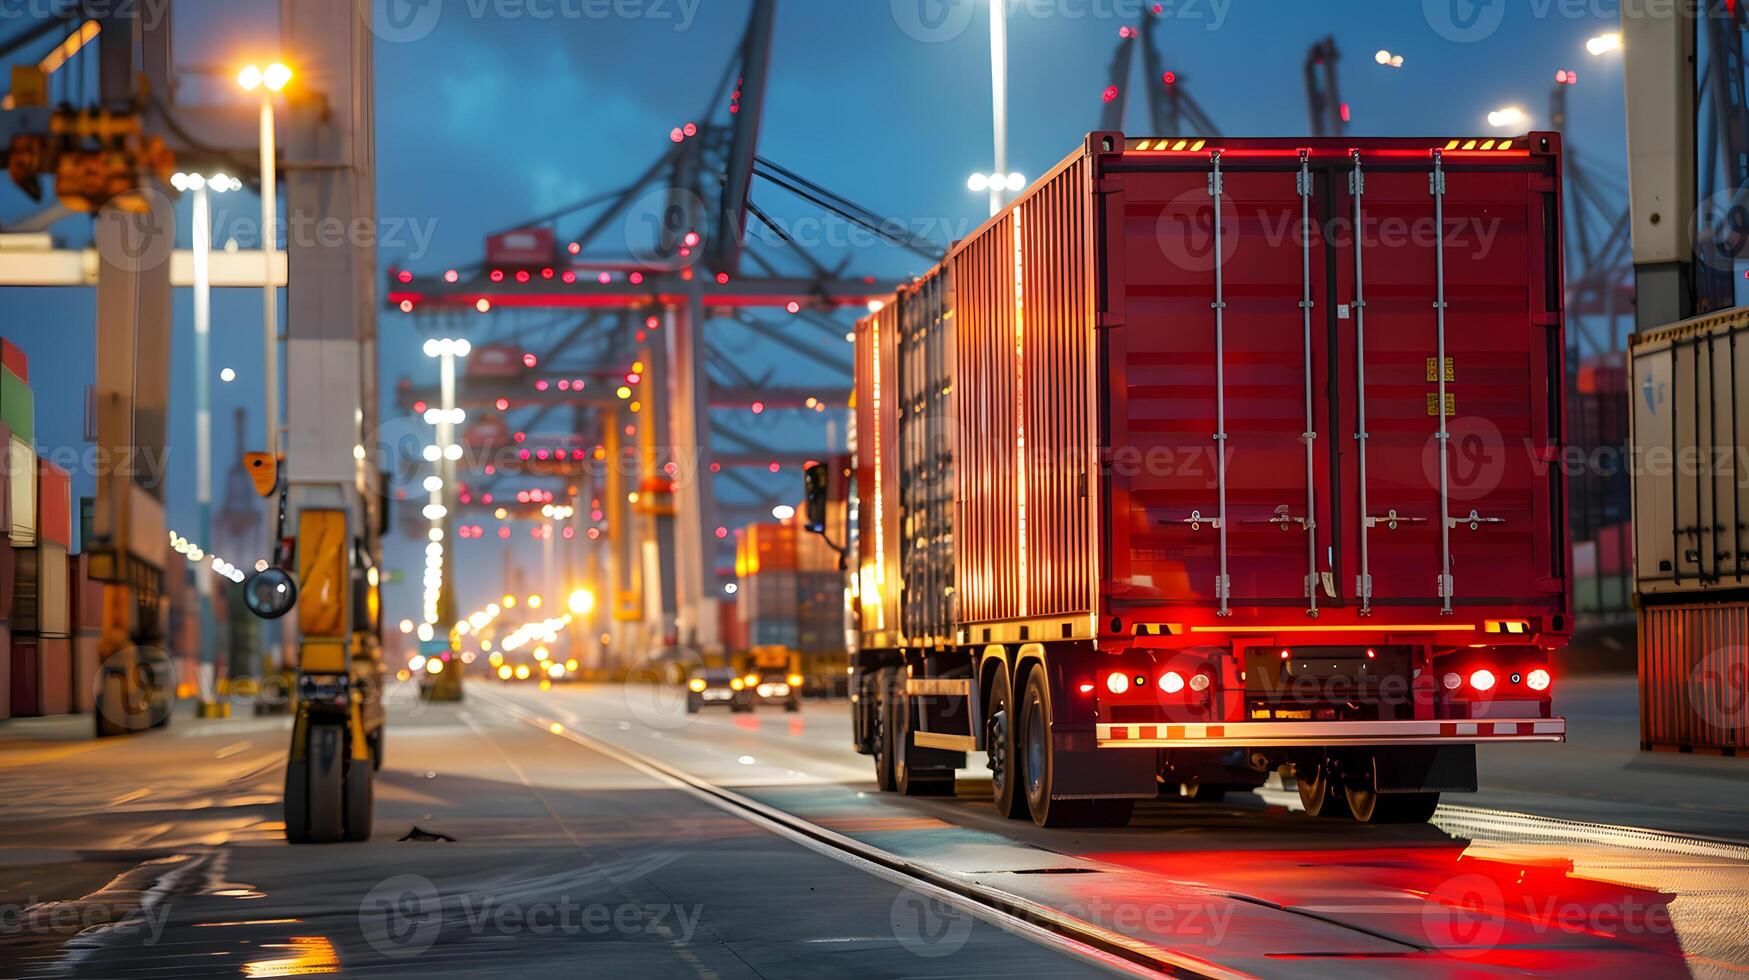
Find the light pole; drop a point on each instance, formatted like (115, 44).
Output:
(268, 81)
(443, 454)
(203, 415)
(999, 95)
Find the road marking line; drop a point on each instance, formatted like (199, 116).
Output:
(1011, 913)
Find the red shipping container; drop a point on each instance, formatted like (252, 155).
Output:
(1086, 319)
(25, 686)
(14, 360)
(84, 595)
(54, 504)
(1615, 549)
(1693, 661)
(5, 671)
(54, 675)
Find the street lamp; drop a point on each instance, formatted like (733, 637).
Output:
(1604, 43)
(441, 485)
(199, 185)
(1508, 117)
(1013, 183)
(268, 81)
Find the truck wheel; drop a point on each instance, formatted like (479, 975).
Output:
(1319, 795)
(913, 780)
(323, 816)
(1370, 806)
(999, 746)
(112, 705)
(360, 798)
(1039, 761)
(882, 736)
(692, 705)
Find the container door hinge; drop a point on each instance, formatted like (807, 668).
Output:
(1363, 586)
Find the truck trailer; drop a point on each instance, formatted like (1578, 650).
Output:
(1208, 458)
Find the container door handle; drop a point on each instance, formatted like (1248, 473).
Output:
(1391, 519)
(1474, 521)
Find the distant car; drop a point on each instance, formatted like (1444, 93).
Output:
(717, 685)
(775, 687)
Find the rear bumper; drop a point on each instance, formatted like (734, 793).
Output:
(1265, 734)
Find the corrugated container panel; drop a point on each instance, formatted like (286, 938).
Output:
(877, 476)
(26, 677)
(1056, 307)
(54, 675)
(26, 590)
(984, 376)
(926, 465)
(21, 488)
(5, 671)
(54, 608)
(1693, 661)
(54, 504)
(17, 405)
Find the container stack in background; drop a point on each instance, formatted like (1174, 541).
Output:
(1691, 532)
(790, 594)
(1598, 503)
(39, 576)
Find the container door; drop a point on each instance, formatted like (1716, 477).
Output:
(1221, 458)
(1406, 518)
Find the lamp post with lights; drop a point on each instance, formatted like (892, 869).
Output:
(268, 81)
(442, 454)
(198, 185)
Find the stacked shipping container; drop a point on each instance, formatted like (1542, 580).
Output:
(1690, 504)
(48, 607)
(790, 594)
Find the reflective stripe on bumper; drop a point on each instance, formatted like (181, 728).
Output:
(1312, 733)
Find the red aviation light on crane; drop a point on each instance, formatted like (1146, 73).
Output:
(1126, 32)
(1343, 111)
(450, 275)
(1566, 77)
(637, 278)
(404, 276)
(522, 275)
(1111, 92)
(691, 240)
(675, 135)
(652, 323)
(569, 278)
(1170, 78)
(496, 275)
(690, 129)
(528, 360)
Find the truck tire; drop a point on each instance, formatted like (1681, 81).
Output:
(1039, 760)
(324, 791)
(374, 742)
(908, 779)
(882, 737)
(1000, 722)
(360, 802)
(1319, 794)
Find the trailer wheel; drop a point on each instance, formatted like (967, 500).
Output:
(1038, 763)
(1319, 795)
(1370, 806)
(882, 736)
(913, 780)
(1003, 758)
(374, 742)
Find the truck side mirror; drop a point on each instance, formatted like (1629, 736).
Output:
(815, 480)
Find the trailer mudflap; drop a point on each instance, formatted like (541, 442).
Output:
(1426, 769)
(1079, 771)
(1312, 734)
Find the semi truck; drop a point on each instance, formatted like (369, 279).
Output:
(1212, 458)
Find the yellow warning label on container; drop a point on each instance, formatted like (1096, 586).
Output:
(1450, 371)
(1433, 404)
